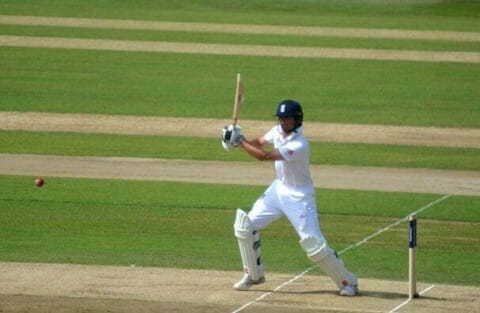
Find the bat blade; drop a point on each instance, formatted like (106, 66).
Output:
(239, 97)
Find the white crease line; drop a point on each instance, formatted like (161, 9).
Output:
(408, 300)
(361, 242)
(274, 290)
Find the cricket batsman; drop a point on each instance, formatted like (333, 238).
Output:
(291, 194)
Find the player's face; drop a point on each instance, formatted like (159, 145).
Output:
(287, 123)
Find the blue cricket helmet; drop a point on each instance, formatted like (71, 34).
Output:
(290, 108)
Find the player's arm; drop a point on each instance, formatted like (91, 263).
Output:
(256, 149)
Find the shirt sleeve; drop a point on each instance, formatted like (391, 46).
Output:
(292, 151)
(270, 136)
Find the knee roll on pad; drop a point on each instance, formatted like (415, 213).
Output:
(243, 226)
(249, 245)
(315, 248)
(325, 257)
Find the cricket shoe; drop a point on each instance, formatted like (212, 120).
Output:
(349, 290)
(246, 282)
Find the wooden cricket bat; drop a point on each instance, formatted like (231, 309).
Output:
(239, 96)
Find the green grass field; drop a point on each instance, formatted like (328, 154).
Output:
(375, 92)
(209, 149)
(155, 224)
(184, 225)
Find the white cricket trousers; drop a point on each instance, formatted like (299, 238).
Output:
(297, 205)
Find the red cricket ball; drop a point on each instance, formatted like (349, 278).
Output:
(39, 182)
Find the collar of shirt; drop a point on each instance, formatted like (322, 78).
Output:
(292, 135)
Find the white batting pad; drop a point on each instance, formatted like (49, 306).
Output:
(324, 256)
(249, 245)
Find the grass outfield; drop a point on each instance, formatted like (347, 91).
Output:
(190, 85)
(375, 92)
(190, 225)
(182, 225)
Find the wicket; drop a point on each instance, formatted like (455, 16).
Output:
(412, 244)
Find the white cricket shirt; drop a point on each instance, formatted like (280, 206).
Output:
(294, 171)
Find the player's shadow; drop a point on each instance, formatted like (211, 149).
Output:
(362, 293)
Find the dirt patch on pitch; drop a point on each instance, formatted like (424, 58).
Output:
(249, 173)
(247, 50)
(80, 288)
(246, 173)
(210, 128)
(229, 49)
(239, 28)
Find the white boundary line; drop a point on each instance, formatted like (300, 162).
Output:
(361, 242)
(408, 300)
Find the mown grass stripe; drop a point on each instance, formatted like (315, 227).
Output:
(244, 50)
(178, 126)
(241, 28)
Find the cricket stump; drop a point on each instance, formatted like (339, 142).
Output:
(412, 247)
